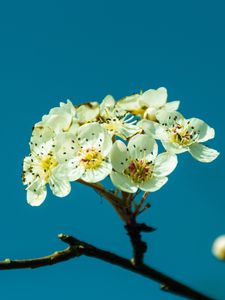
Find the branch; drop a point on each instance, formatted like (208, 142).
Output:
(123, 206)
(77, 248)
(139, 247)
(134, 231)
(54, 258)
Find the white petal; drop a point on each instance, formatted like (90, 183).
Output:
(60, 188)
(107, 105)
(74, 126)
(153, 129)
(203, 130)
(155, 98)
(174, 148)
(123, 182)
(106, 144)
(130, 103)
(203, 153)
(171, 106)
(98, 174)
(90, 133)
(127, 130)
(142, 146)
(209, 134)
(36, 193)
(169, 119)
(154, 184)
(119, 112)
(88, 112)
(165, 163)
(66, 147)
(150, 113)
(59, 122)
(59, 118)
(70, 171)
(119, 156)
(93, 135)
(40, 135)
(31, 167)
(44, 148)
(68, 107)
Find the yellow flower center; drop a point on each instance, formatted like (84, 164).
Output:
(92, 159)
(47, 164)
(139, 170)
(111, 126)
(181, 135)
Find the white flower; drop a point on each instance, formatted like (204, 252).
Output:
(89, 161)
(179, 135)
(218, 248)
(116, 120)
(60, 119)
(138, 166)
(41, 168)
(149, 103)
(88, 112)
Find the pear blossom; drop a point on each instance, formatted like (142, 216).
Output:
(72, 143)
(41, 167)
(148, 104)
(116, 120)
(89, 157)
(179, 135)
(137, 166)
(60, 119)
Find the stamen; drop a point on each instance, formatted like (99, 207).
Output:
(139, 170)
(92, 158)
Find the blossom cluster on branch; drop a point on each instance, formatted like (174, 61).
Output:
(115, 139)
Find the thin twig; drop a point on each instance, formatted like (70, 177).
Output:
(147, 205)
(54, 258)
(139, 206)
(77, 248)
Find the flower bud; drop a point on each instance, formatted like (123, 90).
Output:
(218, 248)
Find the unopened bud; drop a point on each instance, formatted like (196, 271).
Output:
(218, 248)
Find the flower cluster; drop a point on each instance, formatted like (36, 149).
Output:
(92, 141)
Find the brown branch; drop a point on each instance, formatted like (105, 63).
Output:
(134, 230)
(123, 207)
(77, 248)
(54, 258)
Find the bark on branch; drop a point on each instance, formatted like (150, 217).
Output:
(77, 248)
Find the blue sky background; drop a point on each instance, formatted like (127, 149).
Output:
(83, 50)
